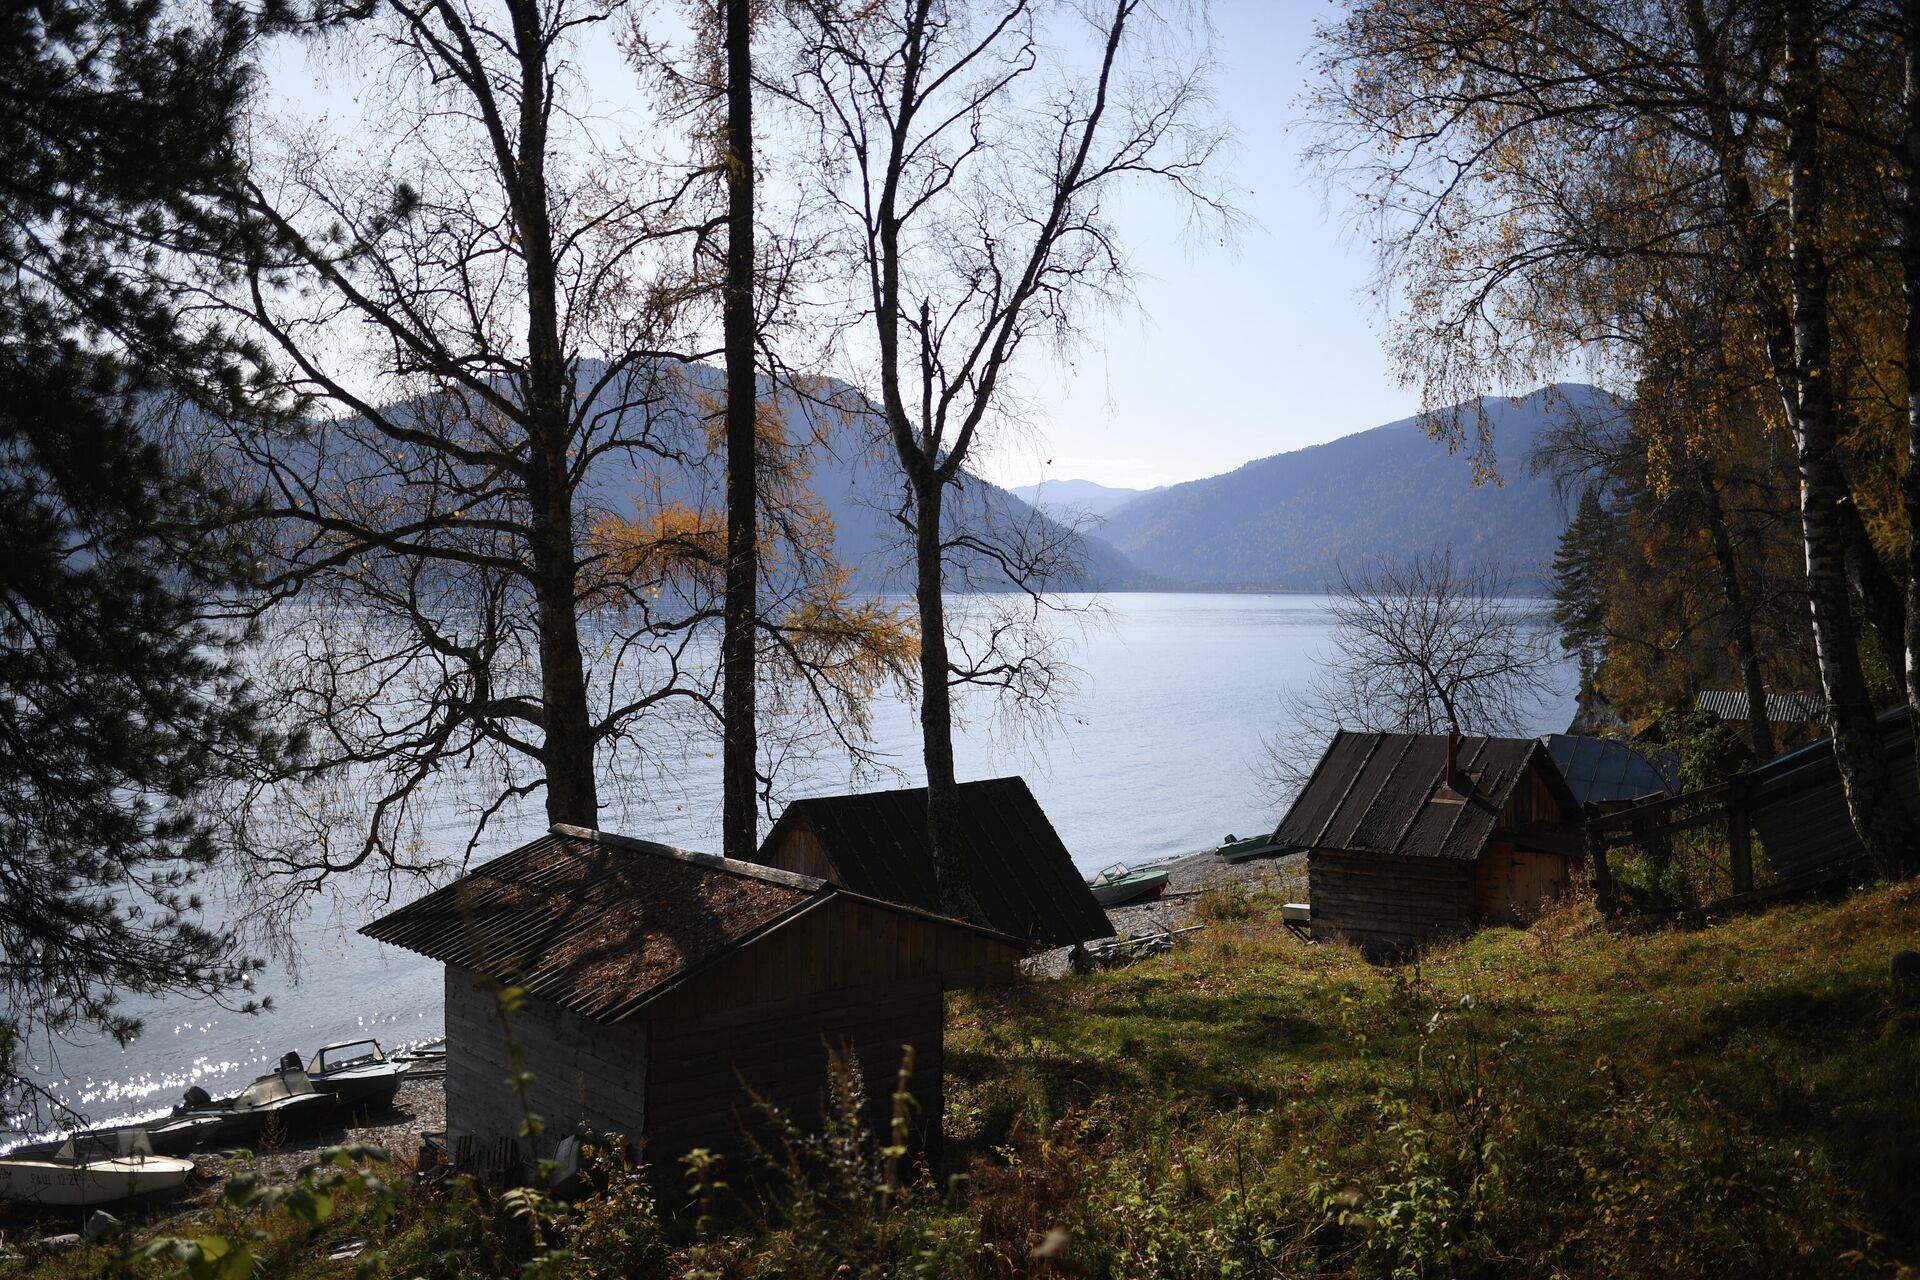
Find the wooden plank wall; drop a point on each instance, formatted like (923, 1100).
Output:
(584, 1072)
(1533, 801)
(800, 850)
(846, 972)
(1387, 904)
(704, 1065)
(1512, 886)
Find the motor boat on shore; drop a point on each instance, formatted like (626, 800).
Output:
(1120, 884)
(276, 1103)
(172, 1136)
(358, 1075)
(87, 1170)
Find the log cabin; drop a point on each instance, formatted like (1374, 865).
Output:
(876, 843)
(663, 995)
(1416, 838)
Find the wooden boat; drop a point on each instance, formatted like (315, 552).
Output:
(358, 1075)
(1120, 884)
(1248, 849)
(279, 1102)
(81, 1172)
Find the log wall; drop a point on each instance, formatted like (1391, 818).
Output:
(1388, 904)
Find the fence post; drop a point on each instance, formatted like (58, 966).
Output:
(1602, 875)
(1739, 842)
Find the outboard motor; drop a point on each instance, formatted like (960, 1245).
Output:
(290, 1061)
(195, 1097)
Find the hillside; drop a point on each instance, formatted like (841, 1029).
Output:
(1567, 1101)
(1287, 521)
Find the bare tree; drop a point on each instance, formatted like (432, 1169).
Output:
(1428, 646)
(494, 563)
(969, 170)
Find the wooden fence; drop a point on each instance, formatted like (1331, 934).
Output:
(1778, 827)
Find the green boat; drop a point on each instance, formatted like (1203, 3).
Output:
(1120, 884)
(1243, 850)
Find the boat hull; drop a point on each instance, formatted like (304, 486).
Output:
(1134, 888)
(49, 1182)
(363, 1091)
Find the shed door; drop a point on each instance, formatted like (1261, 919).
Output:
(1512, 886)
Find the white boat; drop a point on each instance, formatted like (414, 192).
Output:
(81, 1174)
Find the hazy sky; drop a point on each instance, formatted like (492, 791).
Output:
(1233, 351)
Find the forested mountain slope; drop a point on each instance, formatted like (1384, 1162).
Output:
(1288, 521)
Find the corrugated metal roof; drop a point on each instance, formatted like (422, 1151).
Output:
(1598, 770)
(1786, 708)
(1021, 873)
(600, 924)
(1375, 793)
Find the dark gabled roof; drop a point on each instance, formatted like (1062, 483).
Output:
(1784, 708)
(1022, 874)
(1374, 793)
(1600, 770)
(603, 924)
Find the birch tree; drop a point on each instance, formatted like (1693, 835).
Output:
(970, 167)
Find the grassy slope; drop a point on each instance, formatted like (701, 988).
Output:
(1741, 1101)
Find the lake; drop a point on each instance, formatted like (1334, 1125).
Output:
(1155, 752)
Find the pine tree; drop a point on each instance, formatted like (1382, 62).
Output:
(119, 705)
(1579, 593)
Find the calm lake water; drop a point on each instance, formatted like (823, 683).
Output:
(1154, 753)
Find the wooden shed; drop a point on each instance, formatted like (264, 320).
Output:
(876, 843)
(661, 985)
(1412, 838)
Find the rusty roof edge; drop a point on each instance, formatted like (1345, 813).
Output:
(711, 861)
(823, 893)
(908, 909)
(828, 892)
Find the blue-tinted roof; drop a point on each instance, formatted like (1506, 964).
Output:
(1599, 770)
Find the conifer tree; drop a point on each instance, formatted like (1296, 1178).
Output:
(1579, 596)
(118, 704)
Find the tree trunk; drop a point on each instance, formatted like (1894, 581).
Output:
(944, 831)
(1910, 289)
(1879, 595)
(740, 830)
(567, 748)
(1879, 815)
(1740, 618)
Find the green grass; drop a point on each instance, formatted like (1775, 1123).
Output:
(1742, 1100)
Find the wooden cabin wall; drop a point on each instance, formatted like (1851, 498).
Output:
(1532, 801)
(1388, 904)
(712, 1070)
(582, 1071)
(845, 973)
(1513, 885)
(799, 850)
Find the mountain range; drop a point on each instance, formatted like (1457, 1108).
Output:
(1287, 522)
(1070, 500)
(1284, 522)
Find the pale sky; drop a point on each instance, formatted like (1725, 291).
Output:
(1233, 351)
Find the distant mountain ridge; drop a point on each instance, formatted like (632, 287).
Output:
(1070, 499)
(1287, 522)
